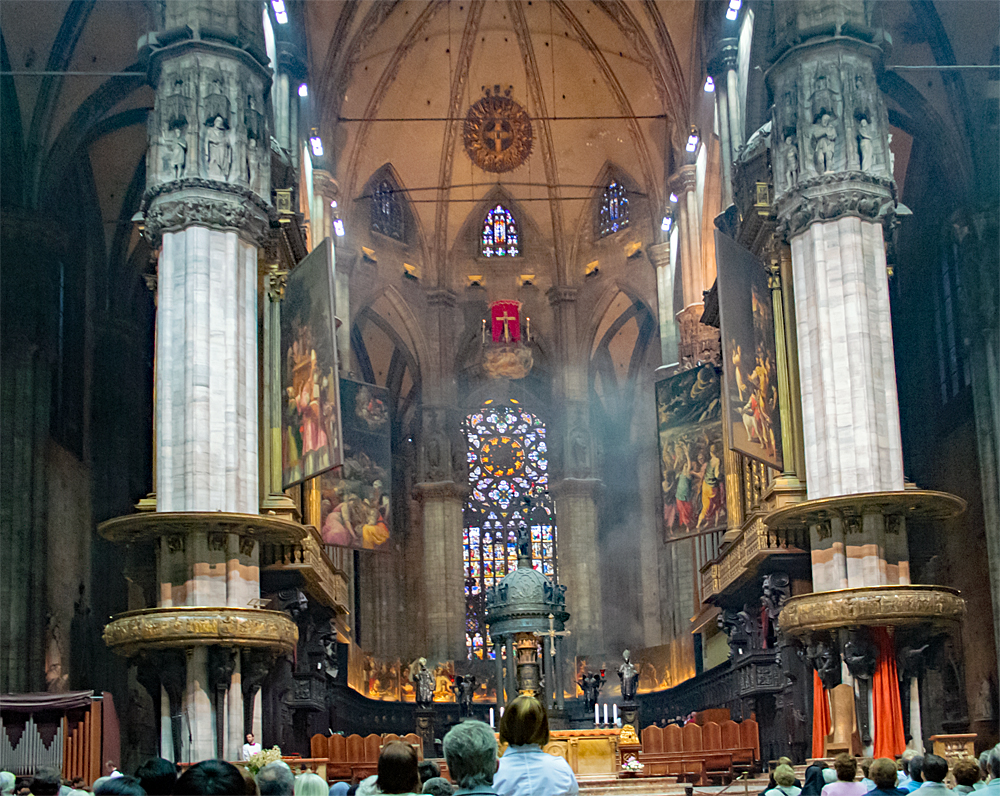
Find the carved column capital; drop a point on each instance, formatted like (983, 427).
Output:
(442, 298)
(209, 203)
(829, 197)
(561, 294)
(684, 179)
(659, 254)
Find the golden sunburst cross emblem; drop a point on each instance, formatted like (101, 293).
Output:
(497, 132)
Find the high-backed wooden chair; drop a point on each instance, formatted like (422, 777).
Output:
(415, 740)
(652, 744)
(691, 738)
(355, 749)
(337, 765)
(730, 734)
(389, 737)
(843, 723)
(373, 748)
(719, 764)
(317, 746)
(750, 738)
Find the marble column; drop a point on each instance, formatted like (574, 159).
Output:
(659, 256)
(833, 186)
(207, 208)
(575, 488)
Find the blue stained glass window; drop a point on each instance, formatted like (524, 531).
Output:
(507, 460)
(500, 238)
(613, 213)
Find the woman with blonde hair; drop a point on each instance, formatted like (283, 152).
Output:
(526, 770)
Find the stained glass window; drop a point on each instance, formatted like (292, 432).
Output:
(387, 211)
(500, 234)
(613, 214)
(508, 459)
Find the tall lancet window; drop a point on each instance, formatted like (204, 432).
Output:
(508, 459)
(387, 211)
(500, 238)
(613, 213)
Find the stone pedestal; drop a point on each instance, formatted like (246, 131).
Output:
(630, 714)
(425, 729)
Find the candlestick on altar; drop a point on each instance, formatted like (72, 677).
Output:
(484, 331)
(491, 709)
(614, 714)
(597, 715)
(527, 331)
(605, 712)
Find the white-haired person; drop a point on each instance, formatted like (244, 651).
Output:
(310, 784)
(470, 749)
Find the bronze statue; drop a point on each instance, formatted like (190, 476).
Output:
(629, 676)
(464, 690)
(591, 685)
(423, 682)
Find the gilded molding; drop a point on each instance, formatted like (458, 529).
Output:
(922, 504)
(158, 628)
(891, 606)
(179, 524)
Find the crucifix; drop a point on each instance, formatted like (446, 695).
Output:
(552, 634)
(505, 319)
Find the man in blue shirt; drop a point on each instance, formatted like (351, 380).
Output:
(993, 786)
(934, 769)
(916, 774)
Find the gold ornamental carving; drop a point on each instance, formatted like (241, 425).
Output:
(179, 524)
(497, 134)
(159, 628)
(887, 606)
(917, 504)
(628, 735)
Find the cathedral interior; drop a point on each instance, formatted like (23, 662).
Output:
(318, 316)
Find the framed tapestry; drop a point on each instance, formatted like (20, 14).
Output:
(354, 498)
(689, 425)
(748, 354)
(311, 440)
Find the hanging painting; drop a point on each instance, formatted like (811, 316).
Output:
(355, 498)
(748, 354)
(689, 421)
(310, 418)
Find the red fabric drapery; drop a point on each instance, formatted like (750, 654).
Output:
(888, 712)
(505, 321)
(821, 717)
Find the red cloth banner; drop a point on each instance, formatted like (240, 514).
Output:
(821, 717)
(888, 711)
(505, 321)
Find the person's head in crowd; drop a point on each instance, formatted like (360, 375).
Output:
(784, 761)
(339, 788)
(157, 776)
(310, 784)
(814, 779)
(865, 765)
(7, 783)
(846, 767)
(77, 783)
(46, 782)
(98, 781)
(525, 722)
(276, 779)
(966, 772)
(784, 776)
(428, 769)
(211, 778)
(905, 759)
(934, 768)
(120, 786)
(397, 769)
(984, 763)
(470, 749)
(995, 761)
(883, 773)
(916, 768)
(829, 776)
(437, 786)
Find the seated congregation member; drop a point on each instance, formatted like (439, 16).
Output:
(884, 774)
(866, 764)
(984, 769)
(934, 770)
(784, 782)
(525, 770)
(120, 786)
(903, 781)
(428, 769)
(339, 788)
(7, 783)
(437, 786)
(771, 784)
(846, 768)
(993, 786)
(46, 782)
(470, 749)
(211, 778)
(310, 784)
(916, 774)
(157, 776)
(814, 779)
(397, 769)
(276, 779)
(966, 773)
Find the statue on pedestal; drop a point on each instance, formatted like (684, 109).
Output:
(464, 689)
(423, 682)
(629, 676)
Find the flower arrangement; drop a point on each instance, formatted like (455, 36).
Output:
(632, 764)
(262, 758)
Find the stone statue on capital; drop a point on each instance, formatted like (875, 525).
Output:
(591, 685)
(423, 682)
(629, 676)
